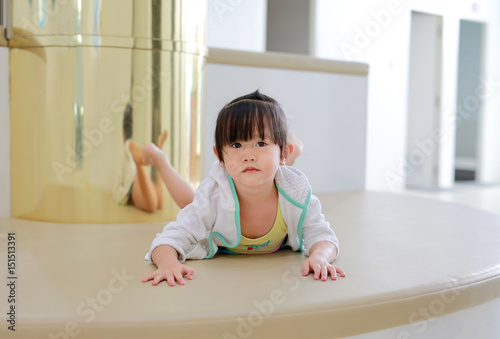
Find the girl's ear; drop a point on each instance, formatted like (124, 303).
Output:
(217, 155)
(286, 154)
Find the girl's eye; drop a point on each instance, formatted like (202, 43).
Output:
(261, 144)
(236, 145)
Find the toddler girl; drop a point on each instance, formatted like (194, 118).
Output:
(251, 202)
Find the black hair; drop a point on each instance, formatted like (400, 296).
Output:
(128, 122)
(247, 115)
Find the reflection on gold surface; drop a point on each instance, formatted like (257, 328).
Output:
(75, 65)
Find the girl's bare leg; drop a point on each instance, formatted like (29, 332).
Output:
(144, 192)
(180, 190)
(159, 182)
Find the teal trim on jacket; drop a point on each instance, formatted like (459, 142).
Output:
(213, 218)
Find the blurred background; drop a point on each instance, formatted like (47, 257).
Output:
(399, 96)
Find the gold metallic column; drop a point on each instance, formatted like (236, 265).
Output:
(74, 67)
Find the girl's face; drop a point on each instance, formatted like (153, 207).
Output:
(252, 163)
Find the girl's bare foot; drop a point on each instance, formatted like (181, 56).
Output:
(151, 154)
(136, 152)
(161, 139)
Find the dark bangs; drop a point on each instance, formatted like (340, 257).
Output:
(246, 117)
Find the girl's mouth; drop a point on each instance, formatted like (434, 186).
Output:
(250, 170)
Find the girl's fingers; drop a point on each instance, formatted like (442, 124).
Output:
(170, 280)
(158, 279)
(190, 273)
(321, 271)
(340, 271)
(147, 278)
(153, 276)
(317, 271)
(333, 272)
(179, 278)
(324, 273)
(305, 268)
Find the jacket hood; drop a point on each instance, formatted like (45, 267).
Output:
(294, 183)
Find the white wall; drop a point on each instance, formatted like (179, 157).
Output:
(340, 35)
(237, 24)
(4, 134)
(327, 111)
(423, 99)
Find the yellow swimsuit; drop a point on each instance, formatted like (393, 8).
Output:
(268, 243)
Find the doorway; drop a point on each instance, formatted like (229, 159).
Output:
(469, 104)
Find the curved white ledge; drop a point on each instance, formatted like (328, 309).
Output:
(402, 255)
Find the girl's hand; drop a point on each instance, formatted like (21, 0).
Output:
(321, 268)
(169, 267)
(321, 255)
(170, 273)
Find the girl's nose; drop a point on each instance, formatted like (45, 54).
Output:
(249, 157)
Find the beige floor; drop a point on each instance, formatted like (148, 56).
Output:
(90, 275)
(484, 197)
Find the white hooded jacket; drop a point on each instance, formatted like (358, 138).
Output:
(213, 218)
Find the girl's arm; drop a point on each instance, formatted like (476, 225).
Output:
(192, 227)
(169, 268)
(320, 243)
(321, 255)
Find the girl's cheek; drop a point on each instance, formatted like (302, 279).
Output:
(231, 167)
